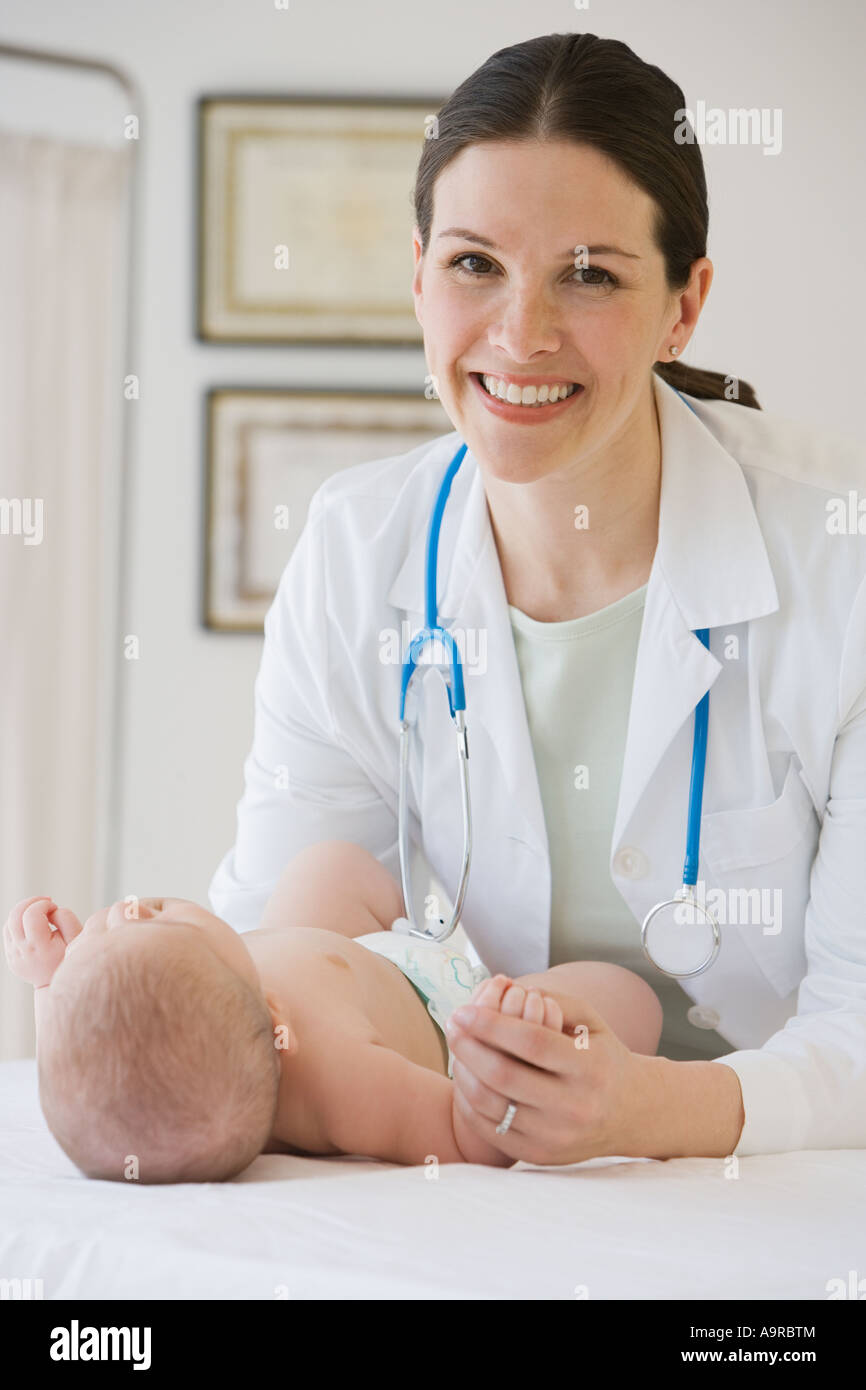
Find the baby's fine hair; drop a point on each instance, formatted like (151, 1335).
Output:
(157, 1064)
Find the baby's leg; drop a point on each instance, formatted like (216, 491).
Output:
(626, 1002)
(337, 886)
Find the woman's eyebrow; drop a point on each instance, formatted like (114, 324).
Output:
(465, 234)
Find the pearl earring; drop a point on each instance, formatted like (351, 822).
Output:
(674, 351)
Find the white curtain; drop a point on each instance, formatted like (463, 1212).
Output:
(63, 210)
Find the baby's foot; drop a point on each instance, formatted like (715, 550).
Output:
(519, 1002)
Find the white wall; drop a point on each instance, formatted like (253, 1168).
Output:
(785, 311)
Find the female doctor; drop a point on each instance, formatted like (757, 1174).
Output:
(560, 239)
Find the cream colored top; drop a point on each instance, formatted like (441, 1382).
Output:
(577, 682)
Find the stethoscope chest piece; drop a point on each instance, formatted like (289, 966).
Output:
(681, 937)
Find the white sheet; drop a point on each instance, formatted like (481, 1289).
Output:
(349, 1228)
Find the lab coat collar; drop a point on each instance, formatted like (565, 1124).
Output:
(710, 569)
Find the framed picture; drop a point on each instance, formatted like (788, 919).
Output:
(305, 218)
(268, 450)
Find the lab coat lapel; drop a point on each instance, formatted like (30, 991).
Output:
(710, 569)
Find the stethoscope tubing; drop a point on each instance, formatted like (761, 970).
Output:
(432, 632)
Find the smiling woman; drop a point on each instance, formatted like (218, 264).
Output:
(544, 318)
(639, 554)
(552, 311)
(557, 95)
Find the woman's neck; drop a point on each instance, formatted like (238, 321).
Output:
(554, 569)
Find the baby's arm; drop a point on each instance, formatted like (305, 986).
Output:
(35, 937)
(378, 1103)
(382, 1105)
(387, 1107)
(337, 886)
(375, 1102)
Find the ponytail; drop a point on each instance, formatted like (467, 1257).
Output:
(706, 386)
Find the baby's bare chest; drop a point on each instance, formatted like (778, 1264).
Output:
(330, 981)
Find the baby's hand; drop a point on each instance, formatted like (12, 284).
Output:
(518, 1002)
(35, 936)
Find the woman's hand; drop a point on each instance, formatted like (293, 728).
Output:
(580, 1093)
(499, 992)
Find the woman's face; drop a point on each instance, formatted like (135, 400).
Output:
(497, 292)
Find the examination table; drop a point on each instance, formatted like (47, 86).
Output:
(349, 1228)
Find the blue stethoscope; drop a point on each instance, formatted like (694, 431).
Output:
(682, 929)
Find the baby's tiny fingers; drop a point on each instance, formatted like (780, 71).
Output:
(533, 1009)
(34, 921)
(489, 992)
(553, 1017)
(67, 924)
(513, 1001)
(15, 920)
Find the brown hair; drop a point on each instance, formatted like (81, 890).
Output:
(595, 92)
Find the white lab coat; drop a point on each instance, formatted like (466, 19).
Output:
(743, 549)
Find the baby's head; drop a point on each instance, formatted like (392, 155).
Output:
(157, 1059)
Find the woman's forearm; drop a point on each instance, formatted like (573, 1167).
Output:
(683, 1110)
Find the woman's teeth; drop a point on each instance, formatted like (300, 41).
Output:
(526, 395)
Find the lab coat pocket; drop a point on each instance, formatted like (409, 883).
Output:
(759, 860)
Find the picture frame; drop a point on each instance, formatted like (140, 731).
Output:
(267, 451)
(305, 218)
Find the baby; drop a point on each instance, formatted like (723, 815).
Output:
(170, 1048)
